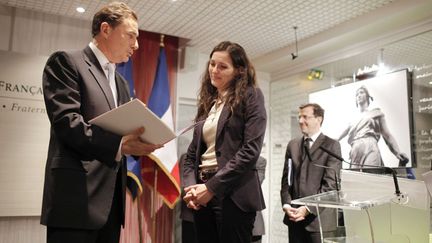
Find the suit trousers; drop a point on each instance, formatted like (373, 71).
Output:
(297, 233)
(109, 233)
(188, 232)
(221, 221)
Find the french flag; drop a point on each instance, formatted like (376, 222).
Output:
(133, 165)
(160, 169)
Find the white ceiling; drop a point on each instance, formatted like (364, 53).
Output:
(260, 26)
(263, 27)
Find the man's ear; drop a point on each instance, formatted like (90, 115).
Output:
(105, 29)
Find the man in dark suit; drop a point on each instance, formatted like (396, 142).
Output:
(303, 177)
(85, 175)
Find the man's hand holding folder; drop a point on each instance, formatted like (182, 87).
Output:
(132, 144)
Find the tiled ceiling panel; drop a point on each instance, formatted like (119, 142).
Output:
(261, 26)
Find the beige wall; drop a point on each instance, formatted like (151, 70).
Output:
(37, 35)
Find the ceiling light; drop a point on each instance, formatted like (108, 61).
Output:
(382, 68)
(80, 9)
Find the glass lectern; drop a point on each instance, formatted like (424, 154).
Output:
(373, 212)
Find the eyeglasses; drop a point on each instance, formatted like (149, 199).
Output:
(305, 117)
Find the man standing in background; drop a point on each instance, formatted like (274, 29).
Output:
(85, 175)
(303, 175)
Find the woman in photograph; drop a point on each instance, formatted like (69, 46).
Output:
(220, 177)
(365, 131)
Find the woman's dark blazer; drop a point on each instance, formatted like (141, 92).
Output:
(239, 139)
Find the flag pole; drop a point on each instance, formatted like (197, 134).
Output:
(155, 170)
(154, 202)
(139, 219)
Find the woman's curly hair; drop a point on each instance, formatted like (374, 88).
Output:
(244, 77)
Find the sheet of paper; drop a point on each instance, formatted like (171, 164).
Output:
(128, 117)
(188, 128)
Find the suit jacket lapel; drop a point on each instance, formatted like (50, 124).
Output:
(297, 161)
(297, 158)
(223, 118)
(96, 70)
(200, 145)
(318, 142)
(297, 154)
(122, 89)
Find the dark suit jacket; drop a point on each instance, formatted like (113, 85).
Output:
(239, 140)
(310, 180)
(81, 170)
(185, 212)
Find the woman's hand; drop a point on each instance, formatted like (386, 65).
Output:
(190, 197)
(199, 194)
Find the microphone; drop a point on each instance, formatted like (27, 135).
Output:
(306, 147)
(386, 169)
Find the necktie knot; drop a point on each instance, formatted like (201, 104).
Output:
(306, 145)
(111, 69)
(308, 141)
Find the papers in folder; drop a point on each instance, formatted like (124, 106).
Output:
(128, 117)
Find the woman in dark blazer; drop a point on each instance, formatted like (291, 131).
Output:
(220, 179)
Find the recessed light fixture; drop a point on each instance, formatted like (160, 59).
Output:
(80, 9)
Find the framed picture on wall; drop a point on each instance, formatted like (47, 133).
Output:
(371, 119)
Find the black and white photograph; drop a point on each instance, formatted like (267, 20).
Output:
(370, 119)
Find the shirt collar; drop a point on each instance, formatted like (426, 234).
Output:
(103, 60)
(315, 136)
